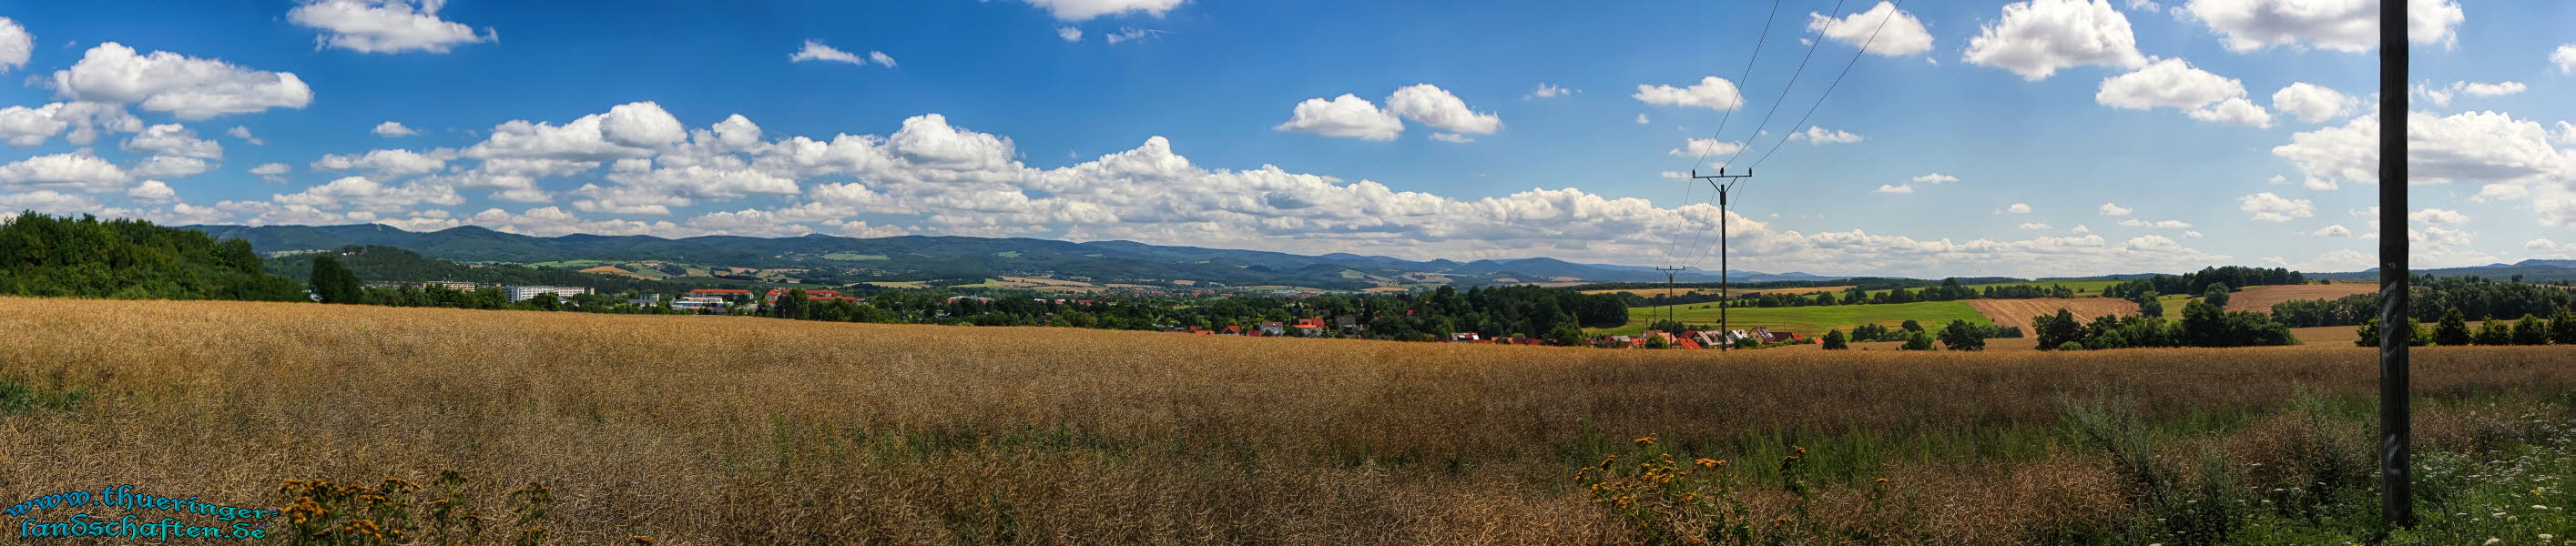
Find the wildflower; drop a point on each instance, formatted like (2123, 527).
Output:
(1705, 462)
(2492, 540)
(642, 541)
(1882, 480)
(2546, 536)
(1647, 440)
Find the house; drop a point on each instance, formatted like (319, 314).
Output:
(813, 294)
(1350, 324)
(1463, 337)
(1310, 326)
(696, 303)
(1232, 330)
(720, 293)
(1778, 337)
(1273, 329)
(522, 293)
(955, 299)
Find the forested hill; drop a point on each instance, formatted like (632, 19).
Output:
(388, 263)
(915, 257)
(43, 255)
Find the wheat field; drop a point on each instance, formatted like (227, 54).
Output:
(734, 430)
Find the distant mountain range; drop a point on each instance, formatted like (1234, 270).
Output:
(917, 257)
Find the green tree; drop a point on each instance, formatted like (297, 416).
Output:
(2494, 332)
(1566, 334)
(2453, 330)
(1961, 336)
(2530, 330)
(1911, 326)
(2217, 295)
(1922, 341)
(2562, 327)
(335, 284)
(546, 301)
(2148, 305)
(792, 305)
(1834, 341)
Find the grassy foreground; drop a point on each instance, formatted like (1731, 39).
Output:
(725, 430)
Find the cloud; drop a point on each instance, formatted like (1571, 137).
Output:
(1546, 91)
(1936, 178)
(2173, 83)
(2080, 229)
(2339, 25)
(384, 26)
(2333, 230)
(2018, 208)
(2268, 207)
(1704, 147)
(243, 133)
(2481, 147)
(15, 45)
(172, 139)
(1896, 32)
(2038, 37)
(2441, 96)
(2159, 224)
(167, 166)
(271, 172)
(45, 201)
(2438, 217)
(1433, 106)
(363, 194)
(2565, 58)
(1711, 92)
(1084, 10)
(815, 51)
(2035, 226)
(387, 163)
(1452, 137)
(1820, 135)
(2313, 103)
(152, 191)
(1641, 119)
(1129, 34)
(71, 171)
(2114, 210)
(1903, 188)
(1344, 116)
(637, 129)
(189, 88)
(393, 129)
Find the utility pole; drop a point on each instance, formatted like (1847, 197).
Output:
(2396, 483)
(1669, 272)
(1722, 295)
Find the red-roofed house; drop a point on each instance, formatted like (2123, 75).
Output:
(1310, 326)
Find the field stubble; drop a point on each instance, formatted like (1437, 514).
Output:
(719, 430)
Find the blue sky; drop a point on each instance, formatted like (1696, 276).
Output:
(2047, 137)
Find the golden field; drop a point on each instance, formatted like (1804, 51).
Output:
(729, 430)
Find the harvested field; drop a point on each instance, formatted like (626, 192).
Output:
(2261, 298)
(2019, 312)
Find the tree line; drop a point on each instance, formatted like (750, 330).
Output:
(44, 255)
(2475, 297)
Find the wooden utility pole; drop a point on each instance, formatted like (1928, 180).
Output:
(1669, 272)
(1722, 296)
(2396, 484)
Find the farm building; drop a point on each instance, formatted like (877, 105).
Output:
(522, 293)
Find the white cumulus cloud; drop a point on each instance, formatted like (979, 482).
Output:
(190, 88)
(1436, 107)
(2268, 207)
(384, 26)
(2038, 37)
(2339, 25)
(1711, 92)
(2313, 103)
(1896, 33)
(1344, 116)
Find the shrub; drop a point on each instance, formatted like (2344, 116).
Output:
(2494, 333)
(1834, 341)
(1961, 336)
(2453, 330)
(2530, 331)
(1922, 341)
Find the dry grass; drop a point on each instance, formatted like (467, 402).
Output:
(728, 430)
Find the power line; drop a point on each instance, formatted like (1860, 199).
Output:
(1689, 186)
(1784, 91)
(1829, 89)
